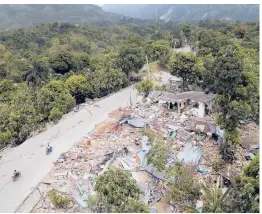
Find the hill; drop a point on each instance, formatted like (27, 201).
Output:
(182, 12)
(22, 16)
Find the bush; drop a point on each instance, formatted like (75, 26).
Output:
(145, 86)
(57, 199)
(55, 114)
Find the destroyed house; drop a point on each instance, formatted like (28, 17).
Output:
(202, 102)
(198, 125)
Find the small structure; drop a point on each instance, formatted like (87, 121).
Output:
(175, 84)
(202, 102)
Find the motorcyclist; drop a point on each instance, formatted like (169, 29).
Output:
(49, 147)
(16, 173)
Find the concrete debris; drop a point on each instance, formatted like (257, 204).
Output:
(119, 142)
(137, 122)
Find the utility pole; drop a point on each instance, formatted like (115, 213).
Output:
(156, 14)
(131, 104)
(147, 66)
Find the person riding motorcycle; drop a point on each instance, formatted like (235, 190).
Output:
(49, 147)
(16, 173)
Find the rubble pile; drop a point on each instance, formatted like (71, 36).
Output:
(119, 142)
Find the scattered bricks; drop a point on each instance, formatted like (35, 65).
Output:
(88, 168)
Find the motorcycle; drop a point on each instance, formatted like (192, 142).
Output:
(15, 177)
(49, 150)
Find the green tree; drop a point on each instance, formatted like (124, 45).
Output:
(81, 60)
(215, 200)
(186, 66)
(7, 90)
(104, 82)
(158, 50)
(38, 74)
(19, 117)
(105, 61)
(78, 87)
(116, 191)
(210, 42)
(145, 86)
(61, 61)
(55, 95)
(158, 154)
(245, 195)
(131, 58)
(228, 72)
(184, 191)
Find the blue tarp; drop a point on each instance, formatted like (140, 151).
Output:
(202, 171)
(173, 136)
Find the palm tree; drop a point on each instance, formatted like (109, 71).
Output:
(213, 195)
(39, 73)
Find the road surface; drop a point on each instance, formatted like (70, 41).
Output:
(30, 157)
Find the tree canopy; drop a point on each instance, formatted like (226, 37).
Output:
(117, 191)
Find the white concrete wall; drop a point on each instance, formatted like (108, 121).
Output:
(201, 110)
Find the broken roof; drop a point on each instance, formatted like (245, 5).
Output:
(198, 125)
(203, 126)
(137, 122)
(198, 96)
(190, 155)
(154, 94)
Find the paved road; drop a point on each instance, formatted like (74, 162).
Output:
(30, 157)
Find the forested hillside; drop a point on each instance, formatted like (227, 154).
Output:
(22, 16)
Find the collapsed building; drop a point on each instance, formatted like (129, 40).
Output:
(200, 103)
(120, 142)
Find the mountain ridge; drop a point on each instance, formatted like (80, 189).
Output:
(187, 12)
(23, 16)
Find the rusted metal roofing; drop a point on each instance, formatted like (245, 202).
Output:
(198, 125)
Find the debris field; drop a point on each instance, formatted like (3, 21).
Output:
(119, 142)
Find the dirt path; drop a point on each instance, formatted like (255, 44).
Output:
(30, 158)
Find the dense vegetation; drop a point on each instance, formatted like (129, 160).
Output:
(47, 70)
